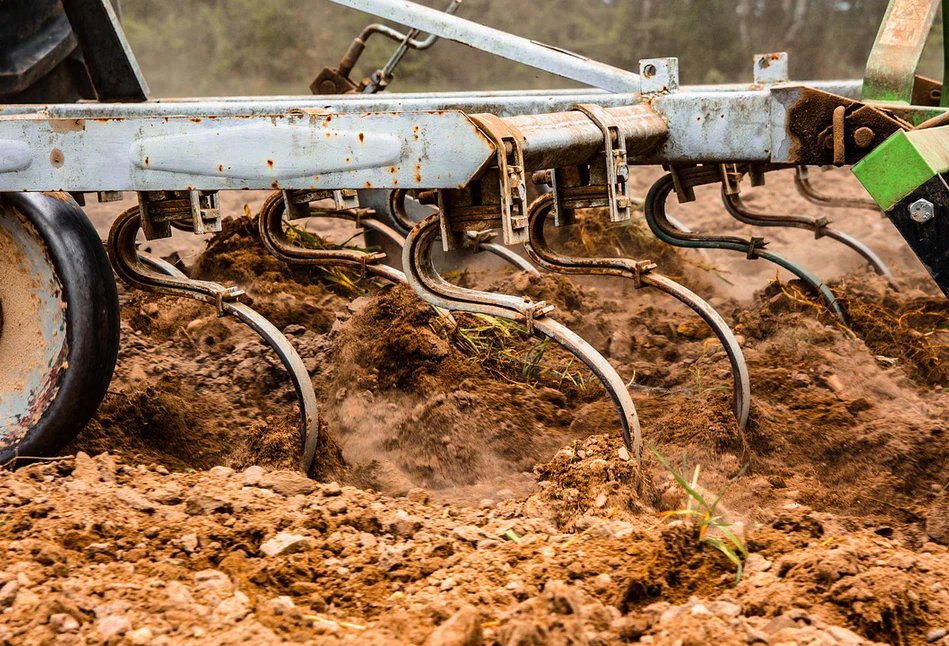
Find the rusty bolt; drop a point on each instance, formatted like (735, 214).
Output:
(541, 178)
(863, 137)
(428, 197)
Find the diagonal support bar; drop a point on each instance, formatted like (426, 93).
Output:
(500, 43)
(112, 65)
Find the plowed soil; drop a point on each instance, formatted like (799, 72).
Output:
(472, 485)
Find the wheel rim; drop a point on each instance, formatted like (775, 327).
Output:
(33, 340)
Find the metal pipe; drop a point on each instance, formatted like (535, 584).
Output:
(493, 41)
(571, 138)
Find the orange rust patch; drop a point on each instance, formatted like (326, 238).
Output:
(270, 163)
(56, 158)
(220, 168)
(275, 184)
(195, 120)
(146, 161)
(67, 125)
(362, 138)
(393, 170)
(368, 184)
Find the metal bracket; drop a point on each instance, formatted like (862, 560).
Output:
(199, 211)
(512, 180)
(297, 203)
(615, 162)
(771, 69)
(659, 75)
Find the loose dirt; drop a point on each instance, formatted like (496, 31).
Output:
(472, 485)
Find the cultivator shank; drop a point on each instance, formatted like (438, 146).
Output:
(475, 158)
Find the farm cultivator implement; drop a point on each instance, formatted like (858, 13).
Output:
(465, 161)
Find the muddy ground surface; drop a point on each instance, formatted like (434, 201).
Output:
(472, 485)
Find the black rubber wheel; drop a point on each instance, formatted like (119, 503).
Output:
(59, 335)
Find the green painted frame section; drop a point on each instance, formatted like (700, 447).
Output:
(903, 163)
(891, 67)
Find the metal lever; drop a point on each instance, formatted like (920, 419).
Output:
(381, 78)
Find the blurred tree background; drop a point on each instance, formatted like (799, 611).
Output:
(219, 47)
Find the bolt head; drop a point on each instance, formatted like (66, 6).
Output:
(922, 211)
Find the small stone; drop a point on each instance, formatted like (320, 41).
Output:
(212, 581)
(134, 499)
(404, 525)
(390, 559)
(221, 472)
(8, 593)
(140, 637)
(844, 636)
(600, 501)
(294, 329)
(168, 494)
(284, 543)
(282, 605)
(470, 533)
(233, 609)
(699, 609)
(623, 454)
(935, 635)
(152, 532)
(331, 489)
(189, 543)
(203, 505)
(462, 629)
(253, 475)
(418, 495)
(287, 483)
(725, 609)
(63, 623)
(113, 625)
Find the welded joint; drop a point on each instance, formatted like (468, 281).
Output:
(659, 75)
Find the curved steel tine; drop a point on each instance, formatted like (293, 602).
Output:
(152, 274)
(655, 211)
(802, 181)
(643, 273)
(737, 209)
(725, 335)
(431, 287)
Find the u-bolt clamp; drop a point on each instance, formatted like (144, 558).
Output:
(615, 168)
(512, 178)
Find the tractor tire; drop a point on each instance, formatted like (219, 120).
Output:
(59, 323)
